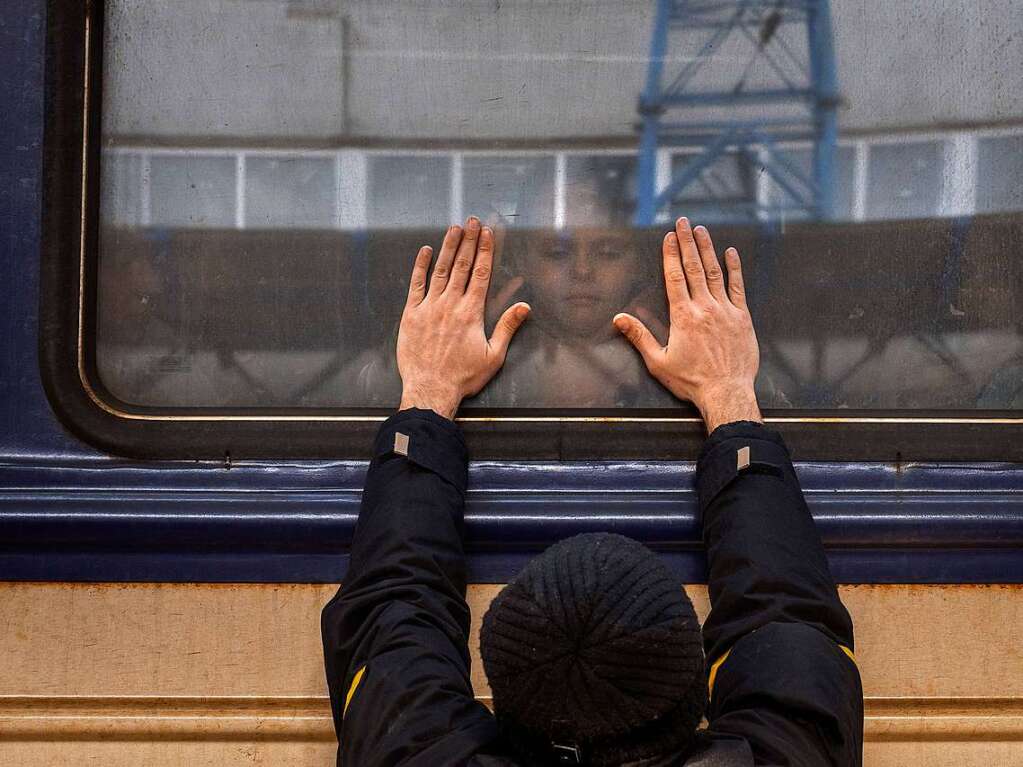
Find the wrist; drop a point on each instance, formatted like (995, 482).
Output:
(730, 404)
(442, 403)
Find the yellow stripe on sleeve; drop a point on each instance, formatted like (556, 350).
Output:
(351, 690)
(717, 664)
(714, 672)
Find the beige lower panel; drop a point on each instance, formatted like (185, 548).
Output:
(161, 754)
(238, 718)
(212, 754)
(931, 754)
(232, 674)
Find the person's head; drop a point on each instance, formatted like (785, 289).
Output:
(594, 650)
(579, 275)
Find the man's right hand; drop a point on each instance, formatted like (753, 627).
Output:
(712, 355)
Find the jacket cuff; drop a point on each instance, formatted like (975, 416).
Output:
(428, 440)
(734, 448)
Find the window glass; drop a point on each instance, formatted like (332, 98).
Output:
(192, 191)
(122, 188)
(600, 190)
(408, 191)
(517, 190)
(1000, 174)
(905, 180)
(789, 188)
(723, 189)
(269, 169)
(285, 192)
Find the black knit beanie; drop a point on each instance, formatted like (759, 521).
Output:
(594, 656)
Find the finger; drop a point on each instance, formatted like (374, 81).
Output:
(482, 268)
(417, 285)
(465, 256)
(711, 267)
(696, 280)
(736, 286)
(674, 278)
(638, 336)
(442, 267)
(507, 326)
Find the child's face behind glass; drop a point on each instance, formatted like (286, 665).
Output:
(581, 278)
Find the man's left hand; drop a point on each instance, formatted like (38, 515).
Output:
(443, 351)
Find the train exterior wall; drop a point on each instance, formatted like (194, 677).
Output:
(231, 675)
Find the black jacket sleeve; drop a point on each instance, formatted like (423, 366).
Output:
(779, 642)
(395, 637)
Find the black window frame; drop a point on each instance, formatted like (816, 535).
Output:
(68, 292)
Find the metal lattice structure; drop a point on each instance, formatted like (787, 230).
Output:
(729, 83)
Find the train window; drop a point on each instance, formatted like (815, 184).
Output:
(999, 170)
(783, 197)
(192, 191)
(609, 179)
(408, 191)
(289, 192)
(905, 180)
(516, 190)
(122, 194)
(721, 189)
(259, 176)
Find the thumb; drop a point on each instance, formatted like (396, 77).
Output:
(638, 335)
(506, 327)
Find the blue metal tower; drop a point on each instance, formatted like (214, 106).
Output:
(740, 88)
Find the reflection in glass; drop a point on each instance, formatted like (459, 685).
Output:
(609, 178)
(1000, 174)
(122, 189)
(723, 189)
(520, 190)
(269, 170)
(781, 199)
(407, 191)
(905, 180)
(192, 190)
(289, 192)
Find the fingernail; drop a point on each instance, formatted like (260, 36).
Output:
(700, 228)
(683, 221)
(473, 223)
(523, 311)
(620, 321)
